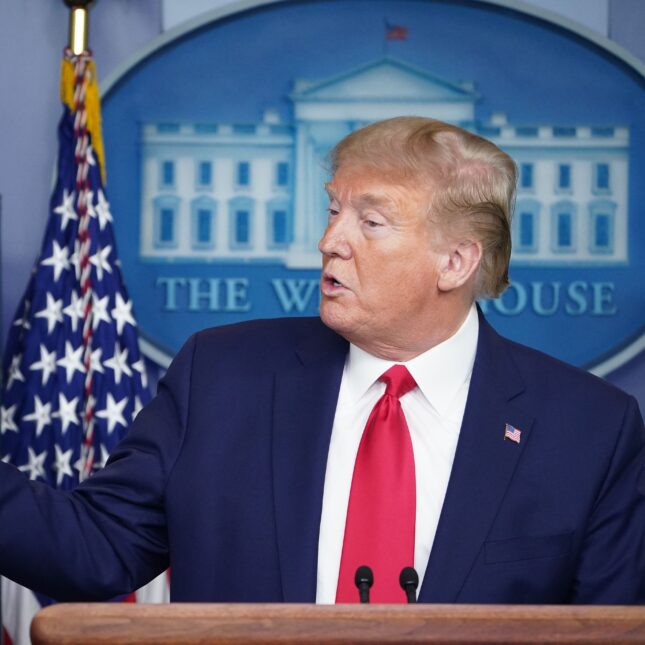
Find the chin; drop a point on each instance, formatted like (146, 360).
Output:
(333, 316)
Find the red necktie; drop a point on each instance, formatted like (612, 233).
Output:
(381, 512)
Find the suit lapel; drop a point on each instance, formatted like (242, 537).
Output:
(304, 407)
(482, 470)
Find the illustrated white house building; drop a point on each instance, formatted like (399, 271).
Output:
(254, 191)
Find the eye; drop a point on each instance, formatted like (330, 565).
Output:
(331, 211)
(372, 220)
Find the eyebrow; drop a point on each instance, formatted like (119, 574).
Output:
(367, 200)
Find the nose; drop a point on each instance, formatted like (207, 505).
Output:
(334, 241)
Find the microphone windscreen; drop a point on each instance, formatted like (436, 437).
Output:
(409, 578)
(364, 576)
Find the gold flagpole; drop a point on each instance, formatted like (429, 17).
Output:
(78, 24)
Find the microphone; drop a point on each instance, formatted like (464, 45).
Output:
(364, 579)
(409, 581)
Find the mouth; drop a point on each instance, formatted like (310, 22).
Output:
(331, 285)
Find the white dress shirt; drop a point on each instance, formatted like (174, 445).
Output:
(434, 411)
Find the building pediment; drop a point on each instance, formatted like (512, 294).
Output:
(384, 80)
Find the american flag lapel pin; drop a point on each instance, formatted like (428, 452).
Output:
(514, 434)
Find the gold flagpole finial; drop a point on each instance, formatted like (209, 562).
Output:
(78, 24)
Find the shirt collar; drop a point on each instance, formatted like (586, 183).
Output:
(439, 372)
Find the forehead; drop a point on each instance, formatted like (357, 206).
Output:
(364, 185)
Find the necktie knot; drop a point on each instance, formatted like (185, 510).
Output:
(398, 381)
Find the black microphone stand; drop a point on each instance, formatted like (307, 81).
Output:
(409, 581)
(364, 579)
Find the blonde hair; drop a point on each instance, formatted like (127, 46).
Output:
(471, 182)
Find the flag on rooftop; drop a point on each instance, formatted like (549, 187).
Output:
(395, 32)
(73, 376)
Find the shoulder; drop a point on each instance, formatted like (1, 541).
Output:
(268, 336)
(557, 391)
(551, 374)
(274, 343)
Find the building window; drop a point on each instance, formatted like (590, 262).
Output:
(165, 128)
(279, 227)
(242, 227)
(527, 229)
(243, 173)
(204, 174)
(244, 128)
(526, 175)
(527, 131)
(165, 232)
(564, 230)
(204, 217)
(602, 178)
(167, 174)
(564, 177)
(282, 174)
(167, 226)
(241, 223)
(563, 227)
(564, 131)
(525, 226)
(278, 224)
(601, 231)
(205, 128)
(602, 131)
(203, 223)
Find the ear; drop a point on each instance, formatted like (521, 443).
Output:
(459, 264)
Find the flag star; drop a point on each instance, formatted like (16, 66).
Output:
(61, 465)
(99, 311)
(100, 260)
(137, 407)
(95, 361)
(47, 363)
(66, 411)
(41, 415)
(105, 455)
(59, 259)
(90, 204)
(14, 371)
(7, 422)
(66, 209)
(140, 367)
(74, 310)
(89, 155)
(75, 259)
(52, 312)
(113, 412)
(23, 321)
(71, 361)
(36, 465)
(122, 313)
(5, 459)
(103, 210)
(89, 406)
(119, 363)
(79, 464)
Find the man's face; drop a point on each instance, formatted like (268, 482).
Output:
(381, 261)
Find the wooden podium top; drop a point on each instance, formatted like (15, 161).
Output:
(73, 624)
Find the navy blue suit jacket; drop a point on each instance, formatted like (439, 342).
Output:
(221, 477)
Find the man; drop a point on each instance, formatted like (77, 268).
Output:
(502, 475)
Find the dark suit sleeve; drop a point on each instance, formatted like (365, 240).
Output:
(109, 535)
(611, 567)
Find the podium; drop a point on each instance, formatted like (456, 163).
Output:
(273, 624)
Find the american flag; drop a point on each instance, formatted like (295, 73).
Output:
(514, 434)
(73, 376)
(395, 32)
